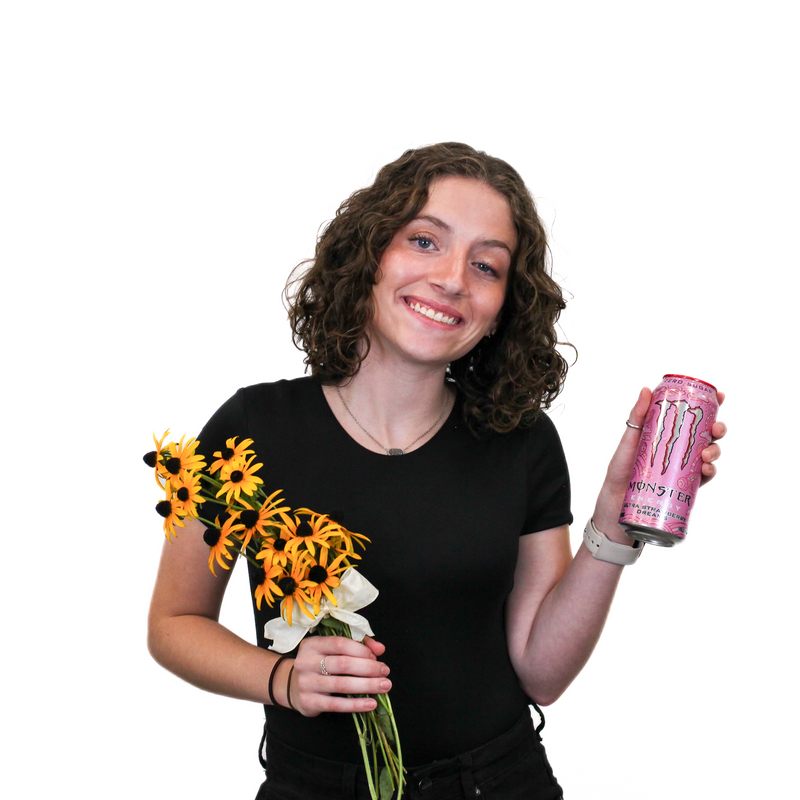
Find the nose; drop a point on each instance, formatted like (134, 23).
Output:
(450, 272)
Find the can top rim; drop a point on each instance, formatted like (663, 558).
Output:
(690, 378)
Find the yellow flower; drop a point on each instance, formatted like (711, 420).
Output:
(268, 588)
(335, 534)
(153, 459)
(186, 495)
(173, 515)
(183, 457)
(252, 521)
(344, 543)
(322, 577)
(230, 452)
(293, 588)
(275, 550)
(239, 476)
(219, 542)
(304, 528)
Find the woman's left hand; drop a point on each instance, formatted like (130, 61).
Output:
(609, 503)
(711, 453)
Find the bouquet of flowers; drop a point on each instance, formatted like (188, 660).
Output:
(305, 558)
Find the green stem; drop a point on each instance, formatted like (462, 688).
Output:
(387, 703)
(369, 730)
(381, 736)
(363, 744)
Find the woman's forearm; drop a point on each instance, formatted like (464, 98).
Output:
(567, 626)
(208, 655)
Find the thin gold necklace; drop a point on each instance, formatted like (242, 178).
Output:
(392, 451)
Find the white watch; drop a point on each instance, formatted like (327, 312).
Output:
(603, 549)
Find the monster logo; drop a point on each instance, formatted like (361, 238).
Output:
(682, 408)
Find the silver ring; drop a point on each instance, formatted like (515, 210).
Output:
(323, 670)
(631, 425)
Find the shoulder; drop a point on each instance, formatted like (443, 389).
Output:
(544, 454)
(251, 408)
(535, 436)
(281, 388)
(255, 400)
(541, 432)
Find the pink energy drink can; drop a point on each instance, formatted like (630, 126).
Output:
(666, 474)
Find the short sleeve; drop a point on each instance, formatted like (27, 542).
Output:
(548, 478)
(228, 420)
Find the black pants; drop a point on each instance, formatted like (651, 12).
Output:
(511, 767)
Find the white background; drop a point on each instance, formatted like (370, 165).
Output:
(164, 165)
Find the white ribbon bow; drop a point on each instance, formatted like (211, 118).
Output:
(353, 593)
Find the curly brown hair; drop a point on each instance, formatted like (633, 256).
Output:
(506, 379)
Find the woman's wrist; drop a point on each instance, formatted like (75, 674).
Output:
(606, 518)
(289, 686)
(278, 685)
(612, 530)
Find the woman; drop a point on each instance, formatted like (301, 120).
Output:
(427, 318)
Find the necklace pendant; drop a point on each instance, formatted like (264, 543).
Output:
(395, 451)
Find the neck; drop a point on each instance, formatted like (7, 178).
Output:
(391, 408)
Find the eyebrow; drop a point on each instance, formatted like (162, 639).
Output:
(444, 226)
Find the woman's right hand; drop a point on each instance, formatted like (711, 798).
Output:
(352, 668)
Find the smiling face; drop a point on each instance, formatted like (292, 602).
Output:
(442, 280)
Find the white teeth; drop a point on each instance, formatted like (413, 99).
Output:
(437, 316)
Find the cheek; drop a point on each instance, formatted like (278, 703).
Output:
(494, 306)
(394, 269)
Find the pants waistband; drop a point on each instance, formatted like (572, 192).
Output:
(464, 769)
(486, 756)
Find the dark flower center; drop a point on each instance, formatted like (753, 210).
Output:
(173, 465)
(227, 454)
(279, 544)
(287, 585)
(318, 574)
(151, 458)
(211, 536)
(164, 508)
(182, 494)
(236, 476)
(249, 517)
(304, 529)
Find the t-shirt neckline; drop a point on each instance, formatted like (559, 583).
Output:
(343, 434)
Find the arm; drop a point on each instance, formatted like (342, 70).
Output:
(558, 606)
(185, 636)
(555, 612)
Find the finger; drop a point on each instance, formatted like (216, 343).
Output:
(710, 453)
(347, 705)
(310, 703)
(347, 684)
(720, 397)
(639, 410)
(718, 430)
(708, 471)
(364, 667)
(375, 646)
(336, 645)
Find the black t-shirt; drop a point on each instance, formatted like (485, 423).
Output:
(444, 523)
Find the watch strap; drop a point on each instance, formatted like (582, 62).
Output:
(603, 549)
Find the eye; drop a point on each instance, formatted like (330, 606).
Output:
(423, 242)
(487, 269)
